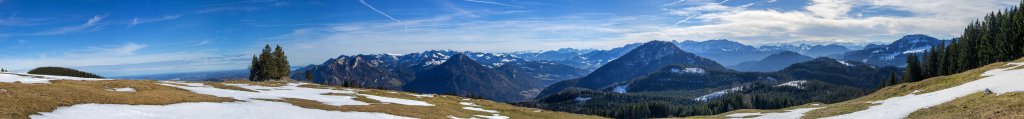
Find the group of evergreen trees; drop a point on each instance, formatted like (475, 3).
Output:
(269, 65)
(3, 70)
(61, 71)
(999, 37)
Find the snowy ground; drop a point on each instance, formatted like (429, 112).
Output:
(32, 78)
(248, 107)
(234, 110)
(475, 107)
(999, 81)
(789, 114)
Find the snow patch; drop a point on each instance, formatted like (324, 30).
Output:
(999, 81)
(789, 114)
(845, 63)
(33, 78)
(688, 70)
(397, 100)
(125, 89)
(288, 91)
(620, 89)
(479, 109)
(582, 99)
(422, 95)
(797, 84)
(468, 104)
(493, 116)
(717, 94)
(254, 109)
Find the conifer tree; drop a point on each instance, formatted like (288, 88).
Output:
(912, 73)
(281, 63)
(254, 69)
(266, 64)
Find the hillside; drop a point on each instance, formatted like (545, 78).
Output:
(43, 96)
(685, 90)
(642, 60)
(773, 62)
(992, 91)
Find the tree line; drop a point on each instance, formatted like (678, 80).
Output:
(61, 71)
(269, 65)
(996, 38)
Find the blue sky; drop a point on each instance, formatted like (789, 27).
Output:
(131, 37)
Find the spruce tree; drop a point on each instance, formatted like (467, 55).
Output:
(254, 69)
(281, 63)
(267, 64)
(912, 73)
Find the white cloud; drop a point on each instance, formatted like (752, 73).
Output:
(830, 9)
(126, 49)
(489, 2)
(91, 25)
(825, 20)
(127, 59)
(137, 21)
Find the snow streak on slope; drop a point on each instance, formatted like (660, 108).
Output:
(249, 107)
(999, 81)
(32, 78)
(255, 109)
(789, 114)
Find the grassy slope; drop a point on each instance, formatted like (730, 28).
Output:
(980, 105)
(21, 100)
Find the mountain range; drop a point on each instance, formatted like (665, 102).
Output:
(895, 53)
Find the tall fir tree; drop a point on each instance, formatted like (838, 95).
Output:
(254, 69)
(266, 64)
(912, 73)
(281, 62)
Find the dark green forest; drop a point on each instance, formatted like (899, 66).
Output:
(995, 38)
(61, 71)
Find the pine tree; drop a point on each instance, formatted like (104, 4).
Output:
(893, 80)
(254, 69)
(309, 75)
(267, 64)
(913, 69)
(281, 63)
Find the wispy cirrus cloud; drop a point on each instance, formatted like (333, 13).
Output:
(92, 24)
(490, 2)
(126, 59)
(136, 21)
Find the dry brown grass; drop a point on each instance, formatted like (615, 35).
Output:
(229, 87)
(21, 100)
(977, 106)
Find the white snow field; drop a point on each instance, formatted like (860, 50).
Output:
(32, 78)
(255, 109)
(475, 107)
(397, 100)
(248, 107)
(789, 114)
(999, 81)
